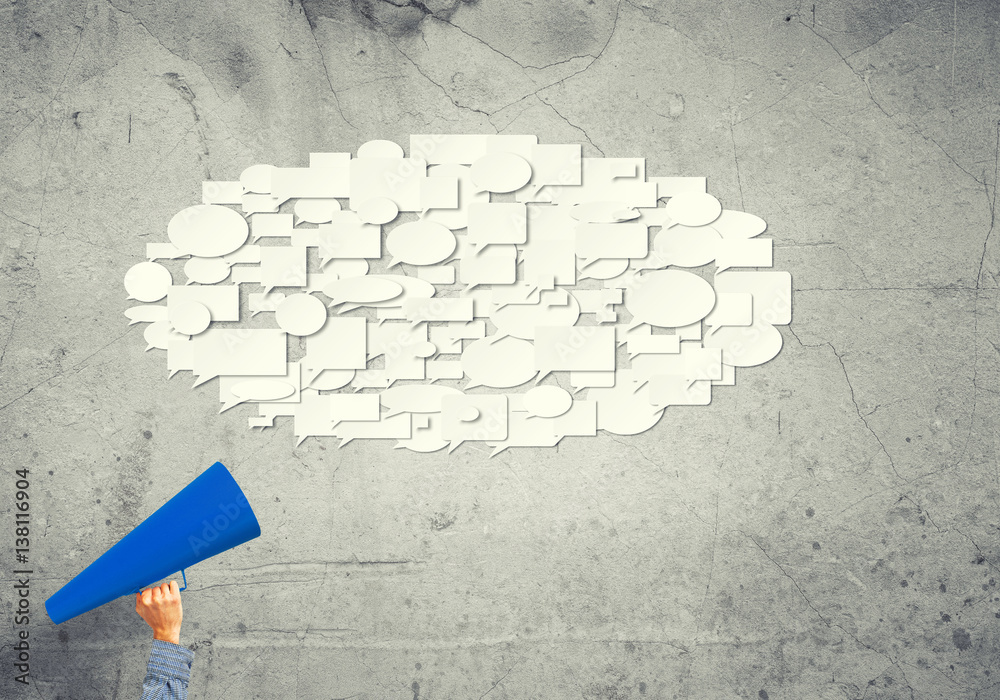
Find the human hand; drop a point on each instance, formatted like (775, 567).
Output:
(160, 607)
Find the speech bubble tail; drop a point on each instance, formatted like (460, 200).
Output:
(493, 339)
(302, 438)
(394, 262)
(323, 262)
(470, 287)
(634, 323)
(587, 262)
(188, 282)
(498, 450)
(453, 445)
(202, 379)
(148, 348)
(577, 390)
(229, 404)
(712, 330)
(344, 442)
(638, 387)
(172, 373)
(720, 270)
(472, 385)
(267, 290)
(542, 374)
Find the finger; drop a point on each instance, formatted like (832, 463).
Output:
(174, 588)
(147, 596)
(156, 593)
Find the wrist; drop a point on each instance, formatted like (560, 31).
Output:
(168, 635)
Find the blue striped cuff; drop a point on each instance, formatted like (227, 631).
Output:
(170, 660)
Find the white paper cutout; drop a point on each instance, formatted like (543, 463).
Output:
(556, 275)
(420, 243)
(316, 211)
(206, 270)
(300, 314)
(147, 281)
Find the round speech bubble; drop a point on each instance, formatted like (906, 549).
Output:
(739, 224)
(146, 314)
(300, 314)
(547, 401)
(669, 298)
(501, 172)
(207, 230)
(159, 333)
(362, 291)
(693, 209)
(555, 307)
(501, 364)
(206, 270)
(147, 281)
(316, 211)
(191, 318)
(746, 346)
(687, 246)
(380, 148)
(420, 243)
(257, 178)
(378, 210)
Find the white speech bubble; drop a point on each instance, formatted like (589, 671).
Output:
(750, 252)
(603, 212)
(416, 398)
(687, 246)
(501, 364)
(207, 230)
(669, 298)
(331, 379)
(693, 209)
(362, 291)
(378, 210)
(257, 178)
(206, 270)
(146, 314)
(380, 148)
(262, 390)
(316, 211)
(604, 269)
(191, 318)
(147, 281)
(501, 172)
(300, 314)
(158, 334)
(420, 243)
(739, 224)
(547, 401)
(555, 308)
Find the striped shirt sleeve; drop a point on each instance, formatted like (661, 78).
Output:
(168, 672)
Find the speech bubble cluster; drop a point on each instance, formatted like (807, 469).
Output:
(509, 263)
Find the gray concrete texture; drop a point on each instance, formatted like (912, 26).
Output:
(827, 528)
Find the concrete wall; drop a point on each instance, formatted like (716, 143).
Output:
(827, 528)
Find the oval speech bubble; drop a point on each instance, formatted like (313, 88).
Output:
(300, 314)
(693, 209)
(378, 210)
(362, 291)
(316, 211)
(548, 401)
(420, 243)
(669, 298)
(147, 281)
(191, 318)
(206, 270)
(501, 172)
(207, 230)
(146, 314)
(257, 178)
(687, 246)
(501, 364)
(158, 333)
(380, 148)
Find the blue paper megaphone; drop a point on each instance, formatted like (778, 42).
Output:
(208, 516)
